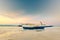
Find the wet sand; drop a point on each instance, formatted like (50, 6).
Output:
(16, 33)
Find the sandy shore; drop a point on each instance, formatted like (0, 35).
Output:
(16, 33)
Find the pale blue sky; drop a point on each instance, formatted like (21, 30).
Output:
(30, 6)
(47, 10)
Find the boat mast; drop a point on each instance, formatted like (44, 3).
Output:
(41, 23)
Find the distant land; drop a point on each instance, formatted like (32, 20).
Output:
(8, 25)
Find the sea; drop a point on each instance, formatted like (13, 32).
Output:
(18, 33)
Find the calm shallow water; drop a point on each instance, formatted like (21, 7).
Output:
(16, 33)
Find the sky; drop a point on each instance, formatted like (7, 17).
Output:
(30, 11)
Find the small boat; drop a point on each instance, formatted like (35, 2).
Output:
(33, 27)
(36, 27)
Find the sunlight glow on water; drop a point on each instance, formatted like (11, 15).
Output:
(16, 33)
